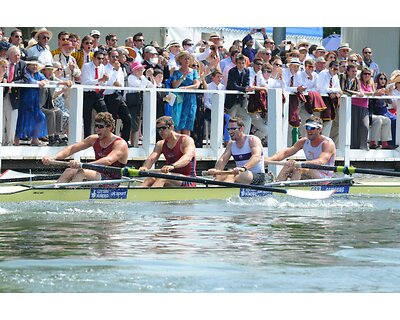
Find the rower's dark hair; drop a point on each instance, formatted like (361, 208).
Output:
(237, 120)
(107, 118)
(166, 119)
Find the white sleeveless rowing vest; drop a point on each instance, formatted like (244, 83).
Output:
(242, 156)
(312, 153)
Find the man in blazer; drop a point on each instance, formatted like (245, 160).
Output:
(239, 80)
(17, 74)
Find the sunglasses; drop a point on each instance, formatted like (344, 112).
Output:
(366, 74)
(233, 128)
(382, 78)
(277, 65)
(46, 37)
(162, 128)
(367, 52)
(268, 53)
(195, 66)
(60, 69)
(17, 36)
(100, 126)
(335, 69)
(139, 40)
(353, 60)
(113, 39)
(258, 64)
(310, 128)
(99, 58)
(270, 43)
(114, 57)
(88, 42)
(96, 36)
(310, 67)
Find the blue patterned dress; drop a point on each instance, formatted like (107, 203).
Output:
(185, 106)
(31, 121)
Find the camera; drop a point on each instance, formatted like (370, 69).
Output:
(258, 30)
(289, 42)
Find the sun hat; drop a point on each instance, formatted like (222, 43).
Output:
(43, 30)
(136, 65)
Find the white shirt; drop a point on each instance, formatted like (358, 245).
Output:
(311, 85)
(276, 84)
(88, 74)
(67, 71)
(324, 78)
(287, 75)
(208, 96)
(136, 82)
(225, 73)
(43, 54)
(260, 81)
(114, 75)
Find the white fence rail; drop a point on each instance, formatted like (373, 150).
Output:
(278, 128)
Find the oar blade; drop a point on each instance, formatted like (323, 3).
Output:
(310, 194)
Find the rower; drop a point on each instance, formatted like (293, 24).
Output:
(247, 151)
(180, 155)
(109, 149)
(318, 149)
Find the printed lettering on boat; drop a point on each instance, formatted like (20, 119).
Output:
(108, 193)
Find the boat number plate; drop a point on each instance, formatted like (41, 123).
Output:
(108, 193)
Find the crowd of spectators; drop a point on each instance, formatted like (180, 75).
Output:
(314, 77)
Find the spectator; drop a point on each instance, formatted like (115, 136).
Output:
(53, 114)
(380, 108)
(342, 66)
(61, 101)
(311, 51)
(16, 39)
(75, 41)
(303, 43)
(134, 98)
(17, 73)
(41, 49)
(239, 80)
(275, 79)
(343, 51)
(320, 52)
(264, 54)
(328, 84)
(158, 77)
(123, 55)
(71, 70)
(85, 54)
(269, 44)
(320, 64)
(151, 60)
(111, 41)
(95, 34)
(138, 45)
(359, 106)
(184, 109)
(93, 73)
(129, 42)
(329, 57)
(114, 99)
(233, 53)
(248, 42)
(174, 48)
(368, 62)
(303, 54)
(4, 46)
(62, 37)
(259, 117)
(31, 121)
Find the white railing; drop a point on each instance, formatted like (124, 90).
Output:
(278, 127)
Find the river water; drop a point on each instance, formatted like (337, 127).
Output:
(269, 245)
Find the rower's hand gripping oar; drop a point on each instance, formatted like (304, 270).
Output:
(344, 169)
(131, 172)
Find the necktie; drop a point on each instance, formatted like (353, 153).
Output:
(331, 82)
(87, 58)
(11, 74)
(291, 81)
(96, 76)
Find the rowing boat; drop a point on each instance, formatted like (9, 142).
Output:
(20, 193)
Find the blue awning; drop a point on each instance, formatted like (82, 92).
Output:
(292, 31)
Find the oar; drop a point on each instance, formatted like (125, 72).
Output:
(15, 176)
(131, 172)
(216, 173)
(343, 169)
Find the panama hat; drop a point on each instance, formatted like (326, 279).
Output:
(43, 30)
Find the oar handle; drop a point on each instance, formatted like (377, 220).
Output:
(59, 163)
(282, 163)
(217, 172)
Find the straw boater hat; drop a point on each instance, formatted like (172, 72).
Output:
(294, 61)
(43, 30)
(344, 46)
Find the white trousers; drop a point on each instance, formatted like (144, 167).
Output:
(10, 117)
(381, 129)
